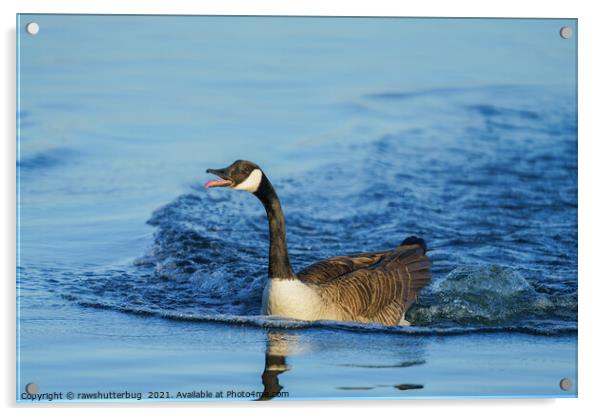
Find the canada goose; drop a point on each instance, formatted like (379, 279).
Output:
(368, 287)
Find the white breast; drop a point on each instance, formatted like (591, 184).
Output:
(293, 299)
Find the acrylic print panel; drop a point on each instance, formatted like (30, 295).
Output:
(137, 283)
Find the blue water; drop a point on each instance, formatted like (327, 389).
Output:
(463, 132)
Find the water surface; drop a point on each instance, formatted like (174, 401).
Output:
(460, 131)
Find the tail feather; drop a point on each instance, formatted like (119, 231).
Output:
(417, 266)
(415, 240)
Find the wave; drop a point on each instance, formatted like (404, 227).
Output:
(490, 295)
(270, 322)
(467, 300)
(46, 159)
(498, 208)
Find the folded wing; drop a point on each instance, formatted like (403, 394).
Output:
(372, 287)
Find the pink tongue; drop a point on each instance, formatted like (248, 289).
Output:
(215, 182)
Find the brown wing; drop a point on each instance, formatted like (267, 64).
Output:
(326, 271)
(372, 287)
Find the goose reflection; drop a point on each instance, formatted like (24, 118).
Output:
(377, 358)
(279, 346)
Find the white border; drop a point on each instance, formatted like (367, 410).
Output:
(590, 209)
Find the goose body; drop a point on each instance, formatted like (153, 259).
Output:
(375, 287)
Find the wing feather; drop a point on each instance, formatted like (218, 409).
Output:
(333, 268)
(372, 287)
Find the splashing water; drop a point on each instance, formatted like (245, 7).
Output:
(495, 198)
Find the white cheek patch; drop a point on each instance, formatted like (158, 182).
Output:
(251, 183)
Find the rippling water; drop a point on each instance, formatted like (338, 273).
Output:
(113, 147)
(497, 207)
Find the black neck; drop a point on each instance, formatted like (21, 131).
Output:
(280, 267)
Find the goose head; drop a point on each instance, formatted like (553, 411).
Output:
(241, 175)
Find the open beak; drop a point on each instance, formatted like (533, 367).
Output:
(225, 180)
